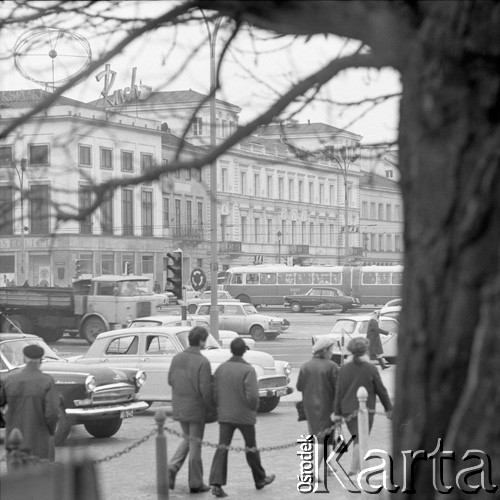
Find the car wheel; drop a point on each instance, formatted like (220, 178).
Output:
(267, 405)
(296, 307)
(192, 308)
(244, 298)
(257, 332)
(51, 334)
(345, 309)
(92, 328)
(16, 322)
(271, 336)
(63, 428)
(104, 428)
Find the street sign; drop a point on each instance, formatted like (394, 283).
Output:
(198, 278)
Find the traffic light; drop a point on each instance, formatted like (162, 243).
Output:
(78, 268)
(174, 272)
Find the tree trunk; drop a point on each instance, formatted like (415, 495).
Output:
(448, 380)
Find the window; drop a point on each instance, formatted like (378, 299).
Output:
(303, 278)
(333, 198)
(197, 126)
(232, 310)
(388, 242)
(397, 242)
(166, 213)
(243, 182)
(178, 214)
(252, 278)
(380, 211)
(200, 213)
(257, 230)
(268, 278)
(107, 214)
(290, 189)
(286, 278)
(39, 209)
(388, 211)
(188, 174)
(105, 288)
(303, 232)
(294, 232)
(223, 227)
(372, 210)
(237, 279)
(281, 194)
(397, 212)
(147, 213)
(243, 228)
(269, 230)
(177, 174)
(321, 278)
(397, 278)
(38, 154)
(321, 194)
(84, 156)
(389, 174)
(189, 214)
(311, 233)
(301, 190)
(107, 158)
(332, 235)
(381, 242)
(311, 192)
(256, 185)
(5, 155)
(146, 162)
(374, 242)
(364, 209)
(127, 161)
(108, 263)
(223, 128)
(269, 186)
(84, 202)
(128, 211)
(147, 264)
(7, 211)
(321, 234)
(123, 345)
(223, 180)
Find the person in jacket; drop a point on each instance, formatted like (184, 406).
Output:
(373, 335)
(192, 401)
(317, 380)
(32, 405)
(237, 397)
(352, 375)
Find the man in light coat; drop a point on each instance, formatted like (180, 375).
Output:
(237, 397)
(190, 376)
(32, 405)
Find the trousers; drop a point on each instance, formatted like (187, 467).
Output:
(218, 471)
(190, 444)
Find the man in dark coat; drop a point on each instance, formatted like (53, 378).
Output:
(237, 396)
(373, 335)
(33, 405)
(190, 376)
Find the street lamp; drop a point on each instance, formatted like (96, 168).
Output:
(214, 309)
(20, 176)
(347, 157)
(279, 234)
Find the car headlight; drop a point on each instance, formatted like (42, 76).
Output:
(288, 369)
(140, 378)
(90, 383)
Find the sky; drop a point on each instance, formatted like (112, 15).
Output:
(256, 70)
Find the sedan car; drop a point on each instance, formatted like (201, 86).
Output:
(97, 396)
(349, 327)
(222, 295)
(244, 319)
(152, 348)
(392, 308)
(321, 295)
(225, 336)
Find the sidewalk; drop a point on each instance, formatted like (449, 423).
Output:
(277, 433)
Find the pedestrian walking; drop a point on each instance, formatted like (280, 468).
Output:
(358, 372)
(237, 397)
(156, 287)
(192, 404)
(317, 380)
(373, 335)
(32, 405)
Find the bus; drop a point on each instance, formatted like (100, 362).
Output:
(267, 284)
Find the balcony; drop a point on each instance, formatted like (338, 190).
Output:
(188, 235)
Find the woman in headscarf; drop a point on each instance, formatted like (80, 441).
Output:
(353, 375)
(373, 335)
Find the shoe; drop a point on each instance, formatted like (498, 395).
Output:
(267, 480)
(171, 478)
(202, 489)
(218, 492)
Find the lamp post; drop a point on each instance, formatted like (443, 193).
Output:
(214, 310)
(347, 157)
(20, 176)
(279, 234)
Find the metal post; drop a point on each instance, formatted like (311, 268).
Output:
(363, 430)
(161, 456)
(279, 246)
(15, 457)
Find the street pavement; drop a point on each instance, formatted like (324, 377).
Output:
(277, 433)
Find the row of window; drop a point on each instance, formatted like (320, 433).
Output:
(381, 211)
(38, 154)
(106, 158)
(224, 128)
(384, 242)
(291, 193)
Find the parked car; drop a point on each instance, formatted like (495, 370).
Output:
(225, 336)
(349, 327)
(97, 396)
(222, 295)
(320, 295)
(392, 308)
(244, 319)
(152, 348)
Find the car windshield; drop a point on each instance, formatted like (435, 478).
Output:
(344, 326)
(210, 344)
(132, 288)
(250, 309)
(12, 351)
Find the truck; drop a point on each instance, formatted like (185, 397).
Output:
(88, 307)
